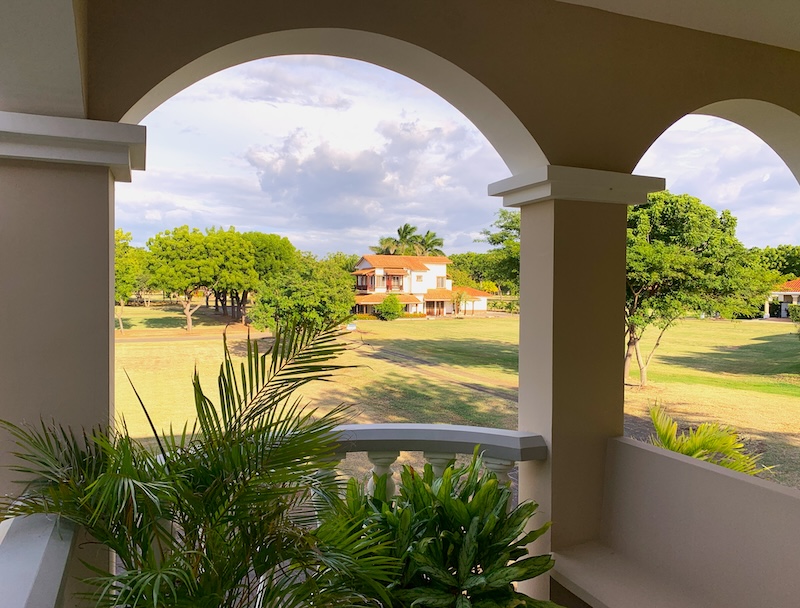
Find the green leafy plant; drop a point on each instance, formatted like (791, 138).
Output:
(709, 441)
(457, 540)
(222, 516)
(390, 309)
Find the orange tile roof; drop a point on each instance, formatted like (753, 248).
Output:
(793, 285)
(410, 262)
(434, 295)
(471, 291)
(364, 271)
(377, 298)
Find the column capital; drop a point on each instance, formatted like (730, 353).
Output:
(552, 182)
(118, 146)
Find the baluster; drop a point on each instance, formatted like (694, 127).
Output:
(439, 461)
(500, 467)
(382, 465)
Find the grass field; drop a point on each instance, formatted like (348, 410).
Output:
(464, 371)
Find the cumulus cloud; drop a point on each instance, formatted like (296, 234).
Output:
(420, 174)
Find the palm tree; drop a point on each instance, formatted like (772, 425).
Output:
(387, 245)
(223, 516)
(429, 244)
(408, 242)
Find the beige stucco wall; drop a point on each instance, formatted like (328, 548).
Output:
(594, 88)
(55, 268)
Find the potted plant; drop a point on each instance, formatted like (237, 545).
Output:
(219, 516)
(459, 543)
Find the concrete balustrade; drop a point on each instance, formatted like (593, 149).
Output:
(439, 444)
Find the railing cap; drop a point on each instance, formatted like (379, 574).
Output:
(460, 439)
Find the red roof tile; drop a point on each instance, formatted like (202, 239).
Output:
(437, 295)
(471, 291)
(410, 262)
(793, 285)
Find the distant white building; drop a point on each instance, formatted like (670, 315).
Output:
(788, 293)
(419, 282)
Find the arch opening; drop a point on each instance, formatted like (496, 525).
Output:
(478, 103)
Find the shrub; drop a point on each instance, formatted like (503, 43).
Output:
(794, 312)
(414, 315)
(458, 542)
(390, 309)
(710, 441)
(362, 316)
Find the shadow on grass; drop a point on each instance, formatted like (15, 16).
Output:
(477, 353)
(396, 397)
(774, 355)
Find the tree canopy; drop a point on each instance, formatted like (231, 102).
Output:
(682, 256)
(503, 261)
(313, 290)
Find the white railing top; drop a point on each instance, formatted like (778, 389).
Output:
(34, 553)
(495, 443)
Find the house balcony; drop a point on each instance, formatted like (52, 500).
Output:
(676, 532)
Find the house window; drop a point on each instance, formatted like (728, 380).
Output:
(419, 278)
(441, 282)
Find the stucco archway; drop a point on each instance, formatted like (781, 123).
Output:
(481, 106)
(777, 126)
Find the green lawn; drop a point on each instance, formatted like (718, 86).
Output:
(464, 371)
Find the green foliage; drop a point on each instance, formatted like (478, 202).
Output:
(785, 259)
(313, 290)
(794, 312)
(503, 260)
(710, 441)
(457, 540)
(126, 266)
(180, 261)
(461, 278)
(222, 517)
(272, 253)
(682, 256)
(390, 309)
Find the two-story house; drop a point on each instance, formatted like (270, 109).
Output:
(420, 283)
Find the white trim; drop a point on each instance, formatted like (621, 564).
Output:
(120, 147)
(575, 184)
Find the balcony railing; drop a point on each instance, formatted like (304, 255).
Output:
(439, 444)
(36, 551)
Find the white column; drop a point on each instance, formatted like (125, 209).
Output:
(766, 309)
(570, 359)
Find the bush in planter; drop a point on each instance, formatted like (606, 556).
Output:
(709, 441)
(222, 518)
(457, 541)
(794, 312)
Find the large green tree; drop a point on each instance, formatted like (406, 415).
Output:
(126, 270)
(180, 264)
(683, 256)
(783, 258)
(232, 258)
(273, 253)
(313, 290)
(503, 260)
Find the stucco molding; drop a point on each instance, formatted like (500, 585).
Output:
(120, 147)
(553, 182)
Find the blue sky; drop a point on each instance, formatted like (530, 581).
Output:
(334, 153)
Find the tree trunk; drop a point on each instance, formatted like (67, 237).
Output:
(223, 299)
(216, 301)
(629, 352)
(243, 307)
(121, 310)
(642, 365)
